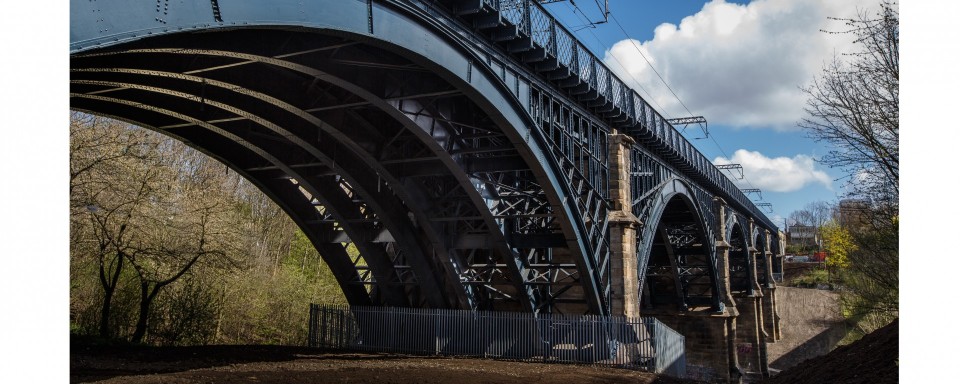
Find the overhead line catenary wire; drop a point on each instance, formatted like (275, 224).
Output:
(633, 42)
(601, 7)
(584, 18)
(625, 70)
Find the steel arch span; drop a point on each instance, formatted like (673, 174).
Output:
(476, 154)
(394, 133)
(678, 249)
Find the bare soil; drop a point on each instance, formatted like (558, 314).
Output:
(275, 364)
(873, 359)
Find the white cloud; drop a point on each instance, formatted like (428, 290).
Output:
(739, 65)
(781, 174)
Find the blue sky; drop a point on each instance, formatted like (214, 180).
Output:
(738, 63)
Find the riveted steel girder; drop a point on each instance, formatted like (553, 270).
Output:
(274, 128)
(481, 153)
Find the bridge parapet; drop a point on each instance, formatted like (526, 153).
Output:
(478, 154)
(525, 30)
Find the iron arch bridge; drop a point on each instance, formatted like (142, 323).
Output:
(476, 154)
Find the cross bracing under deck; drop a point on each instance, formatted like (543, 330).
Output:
(375, 160)
(525, 31)
(461, 146)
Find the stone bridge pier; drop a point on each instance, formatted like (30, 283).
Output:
(726, 325)
(476, 154)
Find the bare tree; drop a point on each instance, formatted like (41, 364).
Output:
(854, 106)
(148, 205)
(178, 246)
(194, 221)
(104, 201)
(168, 246)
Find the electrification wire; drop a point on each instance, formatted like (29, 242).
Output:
(603, 9)
(583, 17)
(624, 67)
(633, 42)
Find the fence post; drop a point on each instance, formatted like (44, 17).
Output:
(392, 315)
(340, 334)
(323, 327)
(659, 346)
(483, 333)
(312, 328)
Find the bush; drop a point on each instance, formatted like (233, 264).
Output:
(812, 279)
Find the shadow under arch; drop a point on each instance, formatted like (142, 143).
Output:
(763, 272)
(346, 24)
(677, 255)
(777, 254)
(742, 270)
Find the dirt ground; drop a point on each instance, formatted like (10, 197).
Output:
(873, 359)
(269, 364)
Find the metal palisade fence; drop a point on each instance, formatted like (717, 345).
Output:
(642, 343)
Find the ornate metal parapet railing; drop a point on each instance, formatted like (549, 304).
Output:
(525, 29)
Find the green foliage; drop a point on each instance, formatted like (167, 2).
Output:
(812, 279)
(870, 295)
(86, 297)
(186, 314)
(304, 259)
(796, 249)
(232, 266)
(838, 242)
(854, 106)
(270, 306)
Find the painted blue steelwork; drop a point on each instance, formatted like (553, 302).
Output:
(487, 123)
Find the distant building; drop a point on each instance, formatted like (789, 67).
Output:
(805, 235)
(851, 211)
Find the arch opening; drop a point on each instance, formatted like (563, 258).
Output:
(741, 264)
(760, 244)
(387, 154)
(680, 274)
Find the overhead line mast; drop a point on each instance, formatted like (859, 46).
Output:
(735, 170)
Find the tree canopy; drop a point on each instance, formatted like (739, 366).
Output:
(854, 107)
(168, 246)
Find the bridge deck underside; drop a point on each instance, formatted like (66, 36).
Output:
(450, 202)
(358, 145)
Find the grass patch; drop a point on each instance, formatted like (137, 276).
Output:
(812, 279)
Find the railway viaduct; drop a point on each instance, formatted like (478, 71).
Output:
(476, 154)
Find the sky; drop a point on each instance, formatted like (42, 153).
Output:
(741, 65)
(34, 100)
